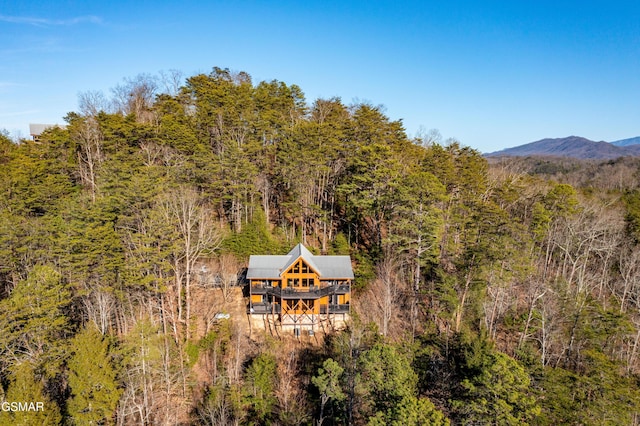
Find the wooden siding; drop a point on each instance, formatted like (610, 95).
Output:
(300, 293)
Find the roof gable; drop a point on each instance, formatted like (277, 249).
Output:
(298, 252)
(272, 267)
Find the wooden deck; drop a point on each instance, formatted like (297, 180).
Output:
(301, 292)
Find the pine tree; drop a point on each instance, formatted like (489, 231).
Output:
(33, 320)
(92, 379)
(328, 383)
(26, 388)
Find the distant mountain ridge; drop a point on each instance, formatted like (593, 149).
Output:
(574, 147)
(627, 142)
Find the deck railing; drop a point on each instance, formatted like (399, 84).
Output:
(311, 292)
(334, 308)
(268, 308)
(264, 308)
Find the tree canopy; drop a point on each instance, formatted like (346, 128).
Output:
(502, 292)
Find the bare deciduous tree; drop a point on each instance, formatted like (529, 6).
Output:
(100, 305)
(381, 302)
(172, 80)
(90, 155)
(628, 290)
(91, 103)
(292, 402)
(228, 267)
(197, 236)
(136, 96)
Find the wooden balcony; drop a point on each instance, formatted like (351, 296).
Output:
(341, 289)
(275, 308)
(264, 308)
(334, 309)
(260, 289)
(311, 292)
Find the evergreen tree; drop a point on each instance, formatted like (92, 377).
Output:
(92, 380)
(24, 387)
(328, 383)
(388, 385)
(496, 390)
(259, 388)
(599, 395)
(33, 320)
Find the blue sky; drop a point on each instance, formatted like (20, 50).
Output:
(491, 74)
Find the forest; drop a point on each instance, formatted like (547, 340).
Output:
(502, 292)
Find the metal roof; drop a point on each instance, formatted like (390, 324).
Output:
(334, 266)
(301, 251)
(272, 267)
(36, 129)
(266, 266)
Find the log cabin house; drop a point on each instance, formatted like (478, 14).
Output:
(299, 291)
